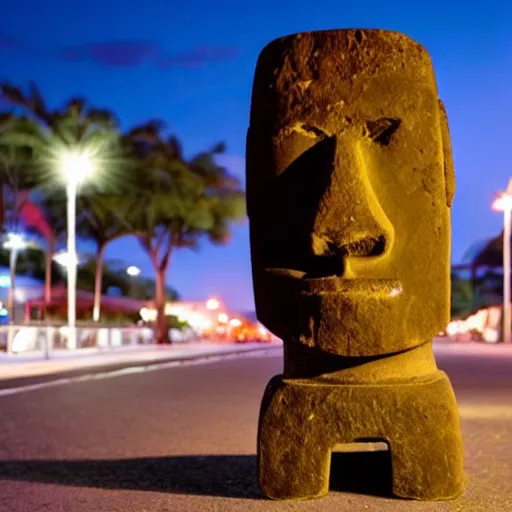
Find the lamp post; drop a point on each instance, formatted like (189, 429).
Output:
(504, 203)
(14, 244)
(76, 165)
(133, 272)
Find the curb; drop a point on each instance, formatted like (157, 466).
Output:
(112, 368)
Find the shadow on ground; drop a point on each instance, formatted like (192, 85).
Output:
(232, 476)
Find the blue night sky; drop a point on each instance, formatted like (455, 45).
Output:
(191, 64)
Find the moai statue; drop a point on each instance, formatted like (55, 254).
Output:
(349, 185)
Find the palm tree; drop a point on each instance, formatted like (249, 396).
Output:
(16, 172)
(6, 122)
(49, 133)
(101, 222)
(180, 202)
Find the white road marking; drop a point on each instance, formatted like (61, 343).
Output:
(205, 359)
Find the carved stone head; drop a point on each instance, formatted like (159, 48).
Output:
(349, 186)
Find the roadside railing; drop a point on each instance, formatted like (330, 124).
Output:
(24, 339)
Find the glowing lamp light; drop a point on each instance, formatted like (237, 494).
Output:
(262, 330)
(223, 318)
(148, 315)
(212, 304)
(502, 202)
(133, 271)
(15, 241)
(66, 259)
(76, 165)
(452, 328)
(235, 322)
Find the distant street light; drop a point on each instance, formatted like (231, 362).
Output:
(64, 259)
(212, 304)
(14, 243)
(223, 318)
(235, 322)
(133, 271)
(76, 165)
(504, 203)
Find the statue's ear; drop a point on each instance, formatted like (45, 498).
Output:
(449, 171)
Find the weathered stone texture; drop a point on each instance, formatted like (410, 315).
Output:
(349, 185)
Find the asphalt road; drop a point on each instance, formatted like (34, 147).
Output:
(183, 439)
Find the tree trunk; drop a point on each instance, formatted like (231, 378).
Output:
(11, 301)
(48, 272)
(98, 281)
(162, 326)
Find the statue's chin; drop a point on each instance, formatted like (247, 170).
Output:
(350, 325)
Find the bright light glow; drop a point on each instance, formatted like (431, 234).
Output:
(484, 322)
(133, 271)
(502, 202)
(5, 281)
(395, 292)
(25, 339)
(76, 165)
(212, 304)
(223, 318)
(262, 330)
(65, 259)
(15, 241)
(148, 314)
(235, 322)
(195, 320)
(491, 335)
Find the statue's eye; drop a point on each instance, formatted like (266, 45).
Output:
(294, 141)
(304, 129)
(382, 130)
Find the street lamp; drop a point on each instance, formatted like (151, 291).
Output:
(503, 202)
(133, 272)
(75, 166)
(14, 243)
(64, 259)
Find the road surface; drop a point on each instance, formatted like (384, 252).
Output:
(183, 439)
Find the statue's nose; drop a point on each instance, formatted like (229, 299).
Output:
(350, 229)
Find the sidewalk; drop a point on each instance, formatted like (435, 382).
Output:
(34, 365)
(20, 366)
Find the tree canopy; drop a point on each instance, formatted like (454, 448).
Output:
(143, 185)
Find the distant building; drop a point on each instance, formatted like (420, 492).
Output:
(26, 288)
(35, 307)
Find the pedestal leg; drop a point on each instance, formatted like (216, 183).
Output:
(292, 463)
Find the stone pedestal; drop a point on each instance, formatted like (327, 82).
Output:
(301, 420)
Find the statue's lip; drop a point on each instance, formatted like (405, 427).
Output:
(337, 284)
